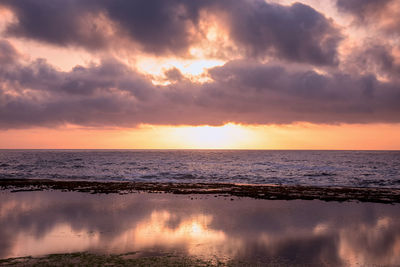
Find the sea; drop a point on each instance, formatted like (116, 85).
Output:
(278, 167)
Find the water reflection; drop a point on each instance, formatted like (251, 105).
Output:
(308, 232)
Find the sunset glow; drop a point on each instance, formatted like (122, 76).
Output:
(249, 74)
(230, 136)
(227, 136)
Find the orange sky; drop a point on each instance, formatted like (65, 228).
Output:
(298, 136)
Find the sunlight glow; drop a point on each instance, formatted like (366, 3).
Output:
(193, 69)
(192, 231)
(209, 137)
(229, 136)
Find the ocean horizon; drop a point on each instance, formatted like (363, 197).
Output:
(344, 168)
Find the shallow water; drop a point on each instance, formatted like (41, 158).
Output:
(316, 168)
(263, 231)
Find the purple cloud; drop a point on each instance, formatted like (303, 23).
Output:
(295, 33)
(249, 92)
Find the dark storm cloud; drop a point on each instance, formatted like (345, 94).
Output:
(111, 94)
(86, 96)
(8, 54)
(383, 14)
(58, 22)
(296, 33)
(280, 95)
(375, 58)
(362, 8)
(173, 75)
(159, 26)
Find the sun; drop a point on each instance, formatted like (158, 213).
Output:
(213, 137)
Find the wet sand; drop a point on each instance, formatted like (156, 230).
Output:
(194, 230)
(378, 195)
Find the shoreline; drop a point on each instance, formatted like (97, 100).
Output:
(269, 192)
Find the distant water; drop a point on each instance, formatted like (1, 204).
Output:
(317, 168)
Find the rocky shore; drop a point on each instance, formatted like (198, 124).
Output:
(377, 195)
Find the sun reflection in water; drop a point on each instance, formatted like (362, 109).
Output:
(193, 233)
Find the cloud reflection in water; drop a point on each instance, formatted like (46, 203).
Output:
(309, 232)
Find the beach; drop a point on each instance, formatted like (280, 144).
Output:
(160, 227)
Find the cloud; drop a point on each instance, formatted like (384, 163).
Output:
(38, 94)
(362, 8)
(295, 33)
(278, 94)
(244, 91)
(158, 26)
(61, 23)
(173, 75)
(8, 54)
(381, 14)
(375, 57)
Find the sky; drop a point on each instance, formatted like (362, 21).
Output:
(232, 74)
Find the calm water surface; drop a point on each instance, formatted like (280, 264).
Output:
(318, 168)
(302, 232)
